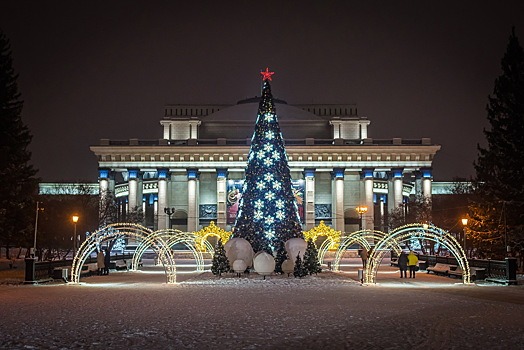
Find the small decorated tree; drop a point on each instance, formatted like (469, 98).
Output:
(280, 258)
(220, 262)
(311, 264)
(299, 268)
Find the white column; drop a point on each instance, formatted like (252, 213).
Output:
(192, 200)
(132, 179)
(395, 183)
(221, 198)
(103, 183)
(309, 207)
(162, 200)
(427, 178)
(368, 218)
(338, 210)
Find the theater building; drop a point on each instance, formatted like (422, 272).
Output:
(193, 173)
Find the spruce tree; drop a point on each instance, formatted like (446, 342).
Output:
(311, 264)
(299, 270)
(498, 212)
(268, 213)
(220, 262)
(19, 186)
(281, 257)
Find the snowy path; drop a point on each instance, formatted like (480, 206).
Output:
(331, 311)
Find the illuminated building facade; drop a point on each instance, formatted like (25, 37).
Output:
(193, 174)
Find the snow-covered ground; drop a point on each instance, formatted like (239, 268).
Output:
(138, 310)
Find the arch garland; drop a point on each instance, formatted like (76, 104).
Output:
(416, 231)
(363, 238)
(212, 230)
(117, 230)
(171, 237)
(331, 242)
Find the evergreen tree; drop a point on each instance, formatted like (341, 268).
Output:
(498, 210)
(268, 213)
(299, 270)
(19, 185)
(220, 262)
(281, 257)
(311, 264)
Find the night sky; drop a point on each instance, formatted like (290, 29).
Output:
(105, 69)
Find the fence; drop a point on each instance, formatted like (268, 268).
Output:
(43, 270)
(504, 271)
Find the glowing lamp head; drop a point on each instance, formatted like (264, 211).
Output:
(464, 221)
(75, 218)
(361, 209)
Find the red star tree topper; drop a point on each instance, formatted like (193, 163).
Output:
(266, 75)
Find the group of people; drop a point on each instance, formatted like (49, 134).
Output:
(103, 259)
(406, 261)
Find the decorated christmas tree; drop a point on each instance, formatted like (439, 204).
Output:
(268, 212)
(220, 262)
(311, 264)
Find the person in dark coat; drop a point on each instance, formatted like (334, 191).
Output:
(364, 256)
(100, 262)
(107, 261)
(403, 264)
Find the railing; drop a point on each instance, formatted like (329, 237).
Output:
(246, 142)
(44, 269)
(498, 270)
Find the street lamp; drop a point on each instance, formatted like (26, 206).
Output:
(36, 227)
(464, 224)
(361, 210)
(169, 212)
(75, 220)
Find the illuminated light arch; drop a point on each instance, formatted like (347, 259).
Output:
(363, 238)
(117, 230)
(171, 237)
(211, 230)
(416, 231)
(331, 242)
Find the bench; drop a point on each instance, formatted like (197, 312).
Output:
(439, 268)
(121, 265)
(477, 273)
(394, 262)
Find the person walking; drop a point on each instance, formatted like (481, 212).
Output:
(403, 264)
(107, 261)
(100, 264)
(364, 256)
(412, 264)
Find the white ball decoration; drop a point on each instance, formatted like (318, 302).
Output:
(239, 266)
(294, 246)
(288, 266)
(239, 249)
(264, 263)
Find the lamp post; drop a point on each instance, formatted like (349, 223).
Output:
(36, 227)
(361, 210)
(169, 212)
(75, 220)
(464, 224)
